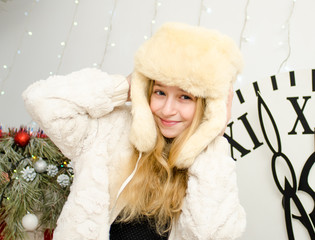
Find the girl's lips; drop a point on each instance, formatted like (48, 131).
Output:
(168, 123)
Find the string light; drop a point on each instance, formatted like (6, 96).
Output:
(153, 21)
(208, 10)
(242, 38)
(202, 9)
(239, 78)
(200, 12)
(108, 29)
(287, 26)
(17, 51)
(64, 43)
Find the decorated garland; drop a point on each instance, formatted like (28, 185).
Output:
(35, 179)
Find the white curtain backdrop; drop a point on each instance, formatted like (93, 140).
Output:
(39, 38)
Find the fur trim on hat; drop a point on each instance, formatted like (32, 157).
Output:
(200, 61)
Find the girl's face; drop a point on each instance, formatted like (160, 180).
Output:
(173, 109)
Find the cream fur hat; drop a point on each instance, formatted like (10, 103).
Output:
(200, 61)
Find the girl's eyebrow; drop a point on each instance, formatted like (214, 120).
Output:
(161, 85)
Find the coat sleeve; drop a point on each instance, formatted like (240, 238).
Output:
(67, 107)
(211, 208)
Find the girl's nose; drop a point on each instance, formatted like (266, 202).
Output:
(169, 107)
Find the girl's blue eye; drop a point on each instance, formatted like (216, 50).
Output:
(186, 97)
(158, 92)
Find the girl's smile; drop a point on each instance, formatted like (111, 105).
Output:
(168, 123)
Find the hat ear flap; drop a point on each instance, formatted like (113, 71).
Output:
(143, 133)
(212, 125)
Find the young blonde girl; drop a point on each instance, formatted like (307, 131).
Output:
(158, 187)
(160, 168)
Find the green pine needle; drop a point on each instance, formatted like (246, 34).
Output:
(42, 196)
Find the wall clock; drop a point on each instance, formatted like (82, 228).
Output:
(271, 135)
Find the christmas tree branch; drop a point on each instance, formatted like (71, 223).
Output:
(26, 186)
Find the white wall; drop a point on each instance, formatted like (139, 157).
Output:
(274, 36)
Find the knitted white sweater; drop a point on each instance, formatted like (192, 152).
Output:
(85, 115)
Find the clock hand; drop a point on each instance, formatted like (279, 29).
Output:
(288, 191)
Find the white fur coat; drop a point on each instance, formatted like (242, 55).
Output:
(85, 115)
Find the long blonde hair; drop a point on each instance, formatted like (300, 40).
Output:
(158, 187)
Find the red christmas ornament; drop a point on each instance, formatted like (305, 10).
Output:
(48, 234)
(22, 138)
